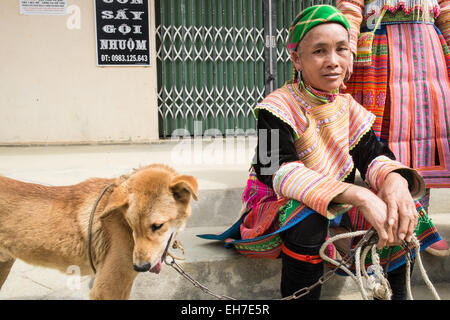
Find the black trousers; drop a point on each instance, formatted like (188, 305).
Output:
(306, 238)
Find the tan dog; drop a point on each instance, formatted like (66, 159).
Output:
(132, 225)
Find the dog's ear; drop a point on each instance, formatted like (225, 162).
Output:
(117, 200)
(183, 187)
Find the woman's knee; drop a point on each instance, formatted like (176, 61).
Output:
(312, 231)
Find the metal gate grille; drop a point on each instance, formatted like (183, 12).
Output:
(216, 59)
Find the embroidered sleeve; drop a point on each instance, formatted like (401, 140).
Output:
(295, 181)
(368, 148)
(353, 11)
(443, 19)
(381, 166)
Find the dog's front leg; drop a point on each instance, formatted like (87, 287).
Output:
(6, 263)
(112, 283)
(115, 274)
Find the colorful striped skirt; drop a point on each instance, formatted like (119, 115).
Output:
(407, 87)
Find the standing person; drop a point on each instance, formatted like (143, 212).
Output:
(406, 85)
(311, 139)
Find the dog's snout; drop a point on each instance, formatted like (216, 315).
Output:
(142, 268)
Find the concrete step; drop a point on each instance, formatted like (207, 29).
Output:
(222, 270)
(221, 183)
(440, 201)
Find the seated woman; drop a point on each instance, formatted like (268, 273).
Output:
(311, 139)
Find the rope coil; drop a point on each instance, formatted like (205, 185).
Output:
(376, 283)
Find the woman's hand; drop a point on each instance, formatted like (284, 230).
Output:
(374, 210)
(401, 209)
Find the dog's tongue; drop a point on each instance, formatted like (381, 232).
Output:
(157, 268)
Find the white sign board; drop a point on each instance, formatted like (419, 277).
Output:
(43, 7)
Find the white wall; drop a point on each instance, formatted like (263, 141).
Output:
(51, 90)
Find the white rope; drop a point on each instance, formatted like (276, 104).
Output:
(377, 283)
(376, 288)
(422, 269)
(381, 288)
(408, 280)
(338, 237)
(363, 258)
(358, 273)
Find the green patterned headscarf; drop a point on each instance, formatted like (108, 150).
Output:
(311, 17)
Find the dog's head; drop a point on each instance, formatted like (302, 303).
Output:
(155, 202)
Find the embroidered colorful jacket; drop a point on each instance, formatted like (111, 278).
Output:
(313, 167)
(323, 136)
